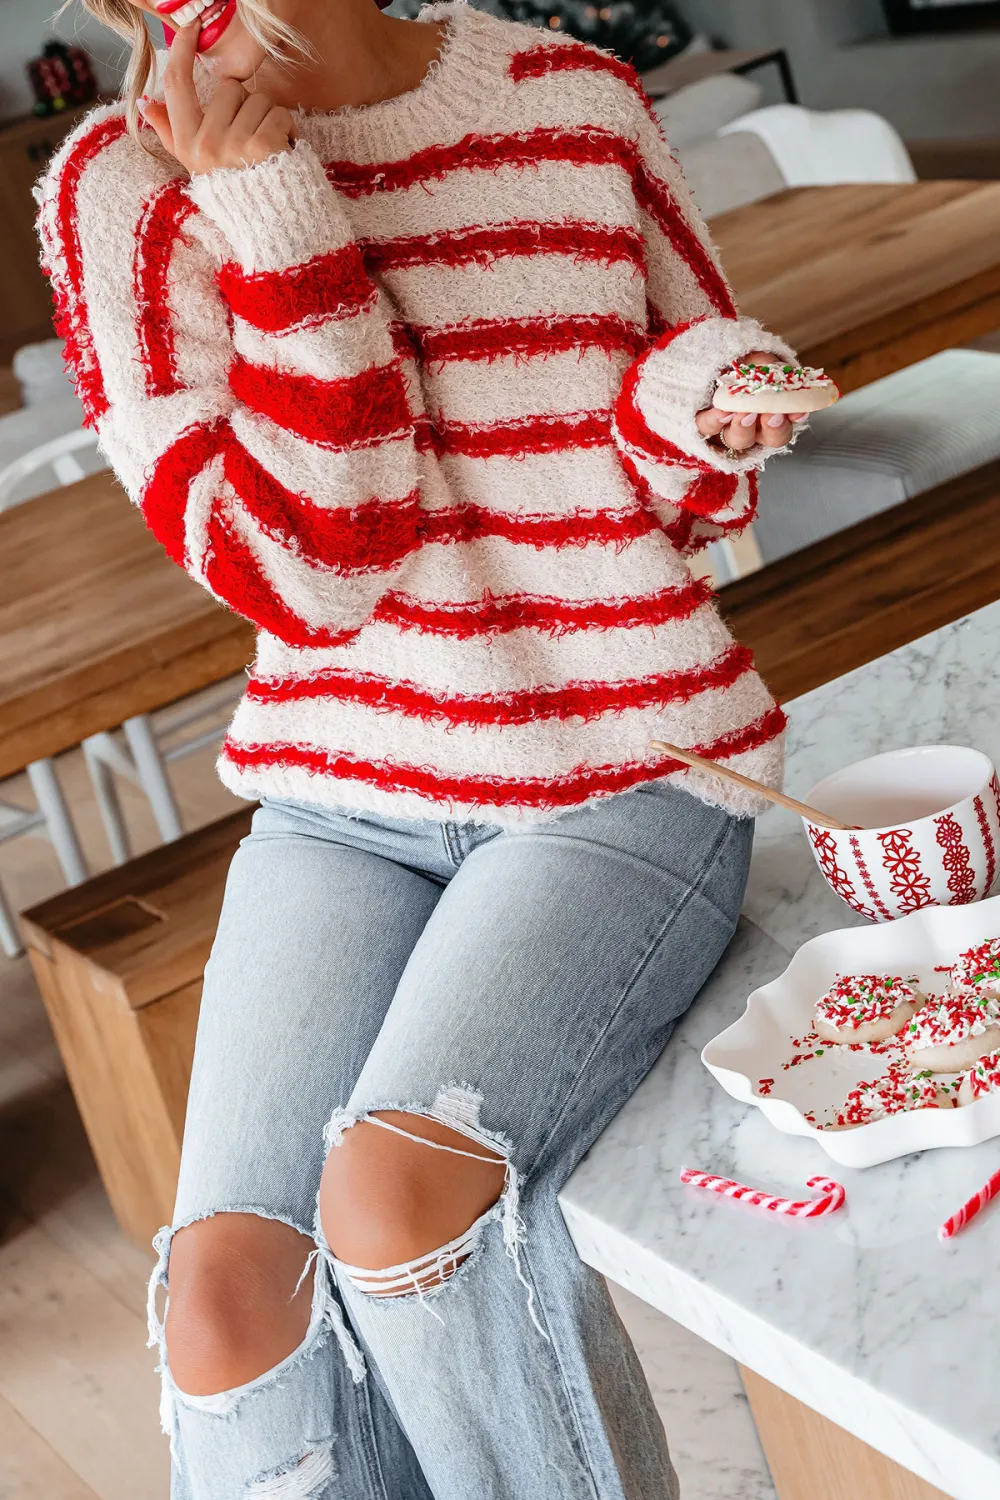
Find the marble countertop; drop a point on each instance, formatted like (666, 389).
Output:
(864, 1316)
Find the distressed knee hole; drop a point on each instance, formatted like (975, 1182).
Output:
(240, 1300)
(407, 1192)
(298, 1480)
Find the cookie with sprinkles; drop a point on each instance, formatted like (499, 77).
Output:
(952, 1032)
(978, 969)
(865, 1008)
(982, 1079)
(897, 1090)
(751, 387)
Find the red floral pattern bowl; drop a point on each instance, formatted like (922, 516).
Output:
(929, 831)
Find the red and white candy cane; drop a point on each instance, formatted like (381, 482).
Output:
(831, 1197)
(969, 1210)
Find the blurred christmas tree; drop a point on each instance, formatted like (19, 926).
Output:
(644, 34)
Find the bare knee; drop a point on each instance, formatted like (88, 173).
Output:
(234, 1311)
(386, 1200)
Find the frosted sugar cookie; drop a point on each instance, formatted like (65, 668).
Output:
(865, 1008)
(983, 1078)
(952, 1032)
(777, 387)
(978, 969)
(895, 1091)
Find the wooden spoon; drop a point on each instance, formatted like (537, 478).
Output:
(688, 757)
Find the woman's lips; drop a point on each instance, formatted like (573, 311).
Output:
(210, 33)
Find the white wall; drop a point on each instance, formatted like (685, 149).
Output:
(944, 86)
(26, 25)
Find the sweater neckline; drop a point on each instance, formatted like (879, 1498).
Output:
(453, 92)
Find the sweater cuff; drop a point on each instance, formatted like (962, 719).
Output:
(277, 213)
(667, 388)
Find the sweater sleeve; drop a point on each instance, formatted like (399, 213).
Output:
(703, 491)
(238, 364)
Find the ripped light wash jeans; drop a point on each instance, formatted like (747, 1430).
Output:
(515, 985)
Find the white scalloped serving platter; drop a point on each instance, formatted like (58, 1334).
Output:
(756, 1045)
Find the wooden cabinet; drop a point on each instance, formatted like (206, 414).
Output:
(25, 304)
(119, 962)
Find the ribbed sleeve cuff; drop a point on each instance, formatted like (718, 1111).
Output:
(666, 389)
(278, 213)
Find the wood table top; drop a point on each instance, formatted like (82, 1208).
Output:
(96, 624)
(867, 278)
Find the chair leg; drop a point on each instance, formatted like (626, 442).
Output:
(109, 806)
(10, 938)
(153, 778)
(58, 822)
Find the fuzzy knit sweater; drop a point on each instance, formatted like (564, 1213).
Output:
(418, 398)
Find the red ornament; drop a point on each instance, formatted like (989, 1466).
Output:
(961, 876)
(909, 884)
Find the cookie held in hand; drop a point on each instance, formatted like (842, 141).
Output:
(774, 388)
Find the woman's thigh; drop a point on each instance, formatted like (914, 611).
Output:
(553, 969)
(320, 916)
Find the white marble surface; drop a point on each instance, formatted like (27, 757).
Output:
(864, 1316)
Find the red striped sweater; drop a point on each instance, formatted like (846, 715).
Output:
(418, 398)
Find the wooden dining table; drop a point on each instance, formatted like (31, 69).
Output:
(864, 279)
(96, 625)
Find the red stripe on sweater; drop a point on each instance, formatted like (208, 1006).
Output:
(577, 700)
(349, 540)
(513, 439)
(472, 523)
(585, 147)
(539, 62)
(656, 199)
(165, 495)
(499, 614)
(710, 493)
(541, 792)
(484, 244)
(522, 338)
(379, 534)
(72, 322)
(354, 412)
(334, 285)
(234, 575)
(159, 228)
(558, 57)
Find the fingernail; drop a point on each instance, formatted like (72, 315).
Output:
(776, 421)
(749, 420)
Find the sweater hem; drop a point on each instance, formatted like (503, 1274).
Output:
(293, 783)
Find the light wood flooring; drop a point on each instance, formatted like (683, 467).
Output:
(78, 1395)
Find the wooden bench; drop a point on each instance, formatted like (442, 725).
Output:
(119, 962)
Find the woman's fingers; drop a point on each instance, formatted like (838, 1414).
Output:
(711, 421)
(155, 115)
(181, 96)
(253, 111)
(742, 431)
(278, 129)
(776, 430)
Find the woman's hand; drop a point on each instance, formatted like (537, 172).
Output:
(238, 129)
(741, 430)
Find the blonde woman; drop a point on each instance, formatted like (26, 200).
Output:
(404, 336)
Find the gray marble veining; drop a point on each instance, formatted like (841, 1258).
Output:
(864, 1316)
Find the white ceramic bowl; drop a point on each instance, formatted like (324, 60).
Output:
(929, 835)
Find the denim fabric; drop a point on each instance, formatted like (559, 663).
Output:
(516, 984)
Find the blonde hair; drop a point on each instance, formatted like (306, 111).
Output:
(275, 36)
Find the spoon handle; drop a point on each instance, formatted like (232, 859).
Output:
(688, 758)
